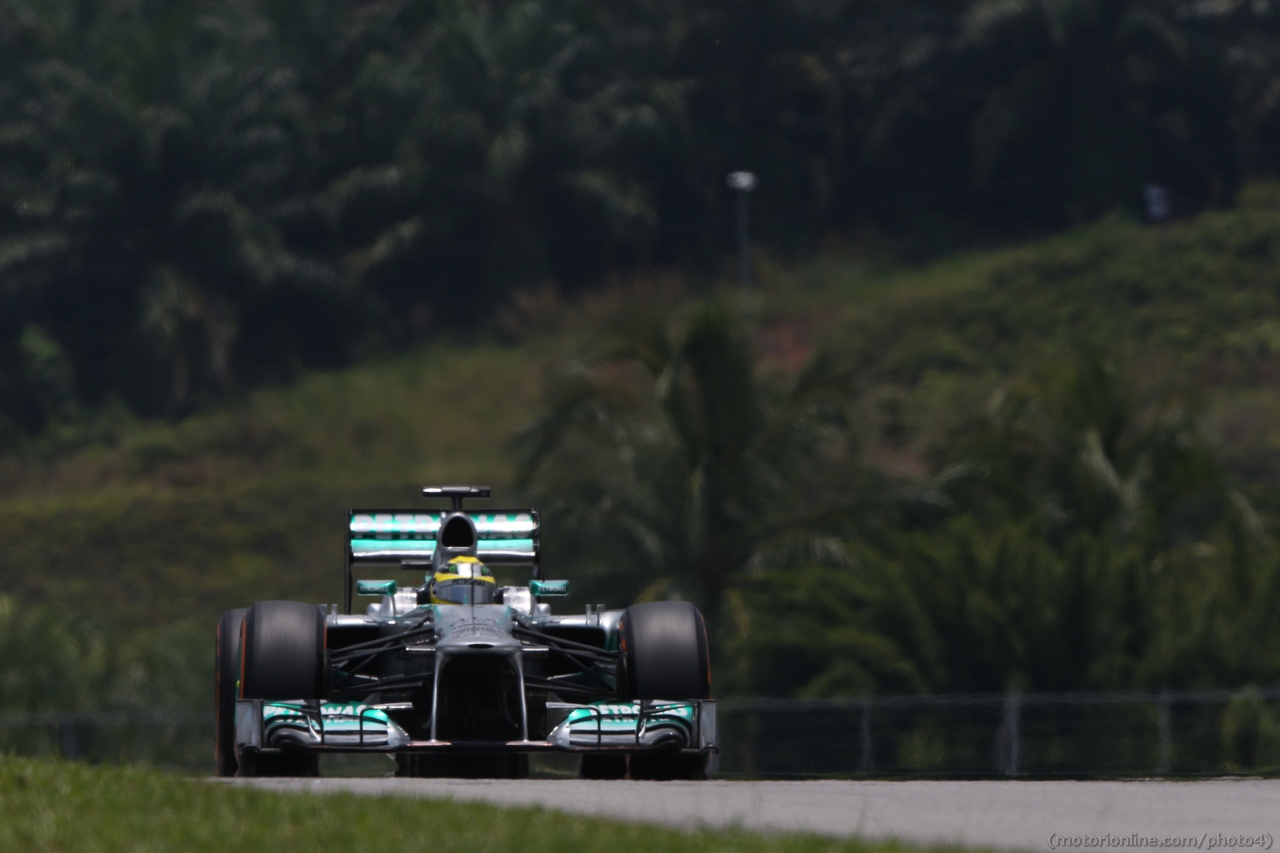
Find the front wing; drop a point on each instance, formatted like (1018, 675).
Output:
(594, 727)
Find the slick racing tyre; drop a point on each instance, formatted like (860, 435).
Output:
(282, 658)
(664, 652)
(226, 675)
(283, 655)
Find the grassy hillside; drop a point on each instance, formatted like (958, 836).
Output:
(1192, 307)
(158, 522)
(146, 523)
(63, 807)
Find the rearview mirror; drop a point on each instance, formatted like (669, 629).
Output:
(549, 587)
(375, 587)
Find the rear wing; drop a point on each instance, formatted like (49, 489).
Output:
(507, 537)
(504, 537)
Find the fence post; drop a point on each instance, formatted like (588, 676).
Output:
(1164, 718)
(749, 758)
(67, 737)
(866, 760)
(1008, 738)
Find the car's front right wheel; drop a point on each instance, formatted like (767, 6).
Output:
(282, 659)
(226, 678)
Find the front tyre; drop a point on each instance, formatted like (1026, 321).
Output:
(226, 675)
(665, 656)
(283, 655)
(664, 652)
(282, 659)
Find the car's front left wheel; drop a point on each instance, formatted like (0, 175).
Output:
(664, 652)
(665, 656)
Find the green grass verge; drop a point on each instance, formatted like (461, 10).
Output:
(58, 807)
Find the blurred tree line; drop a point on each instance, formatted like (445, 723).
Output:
(200, 196)
(55, 660)
(1076, 535)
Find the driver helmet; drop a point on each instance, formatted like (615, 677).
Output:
(463, 580)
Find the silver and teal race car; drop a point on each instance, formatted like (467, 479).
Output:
(456, 675)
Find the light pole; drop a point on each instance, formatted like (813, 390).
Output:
(744, 183)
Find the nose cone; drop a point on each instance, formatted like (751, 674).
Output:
(481, 628)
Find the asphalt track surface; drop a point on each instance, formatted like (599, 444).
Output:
(1021, 815)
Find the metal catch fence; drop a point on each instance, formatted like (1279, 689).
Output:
(177, 741)
(1001, 735)
(986, 735)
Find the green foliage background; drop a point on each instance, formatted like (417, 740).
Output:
(1049, 515)
(1051, 466)
(199, 198)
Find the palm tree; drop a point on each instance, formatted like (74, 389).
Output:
(1250, 35)
(1075, 447)
(1096, 543)
(1085, 101)
(514, 159)
(49, 661)
(145, 182)
(667, 464)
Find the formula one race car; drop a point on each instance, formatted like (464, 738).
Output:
(457, 676)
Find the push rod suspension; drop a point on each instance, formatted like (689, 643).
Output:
(396, 683)
(587, 672)
(561, 644)
(382, 644)
(563, 688)
(351, 673)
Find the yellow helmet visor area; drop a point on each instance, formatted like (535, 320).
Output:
(463, 591)
(464, 580)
